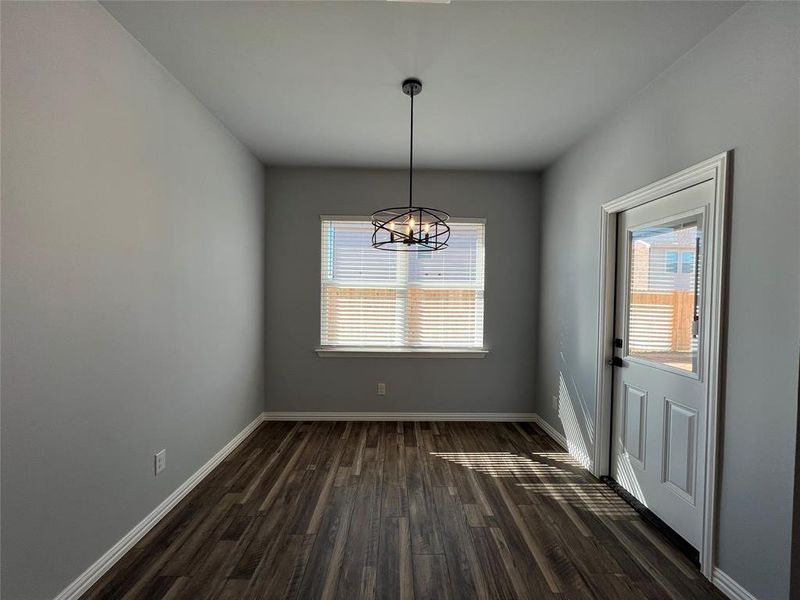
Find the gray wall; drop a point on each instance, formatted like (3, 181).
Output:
(299, 380)
(132, 279)
(737, 89)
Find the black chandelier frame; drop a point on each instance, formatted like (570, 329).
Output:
(410, 228)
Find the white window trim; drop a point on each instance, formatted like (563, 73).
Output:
(401, 352)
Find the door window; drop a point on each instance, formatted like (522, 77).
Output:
(664, 293)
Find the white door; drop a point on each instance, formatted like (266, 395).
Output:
(659, 399)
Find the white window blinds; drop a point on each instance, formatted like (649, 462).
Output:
(401, 299)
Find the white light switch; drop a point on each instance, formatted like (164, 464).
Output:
(381, 389)
(161, 461)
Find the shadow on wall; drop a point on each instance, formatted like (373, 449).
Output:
(577, 420)
(576, 439)
(576, 416)
(577, 436)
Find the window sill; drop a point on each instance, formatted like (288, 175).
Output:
(345, 352)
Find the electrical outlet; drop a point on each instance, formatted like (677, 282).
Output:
(381, 389)
(555, 402)
(161, 461)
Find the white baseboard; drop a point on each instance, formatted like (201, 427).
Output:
(396, 416)
(729, 587)
(551, 431)
(86, 579)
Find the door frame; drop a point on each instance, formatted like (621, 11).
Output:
(719, 169)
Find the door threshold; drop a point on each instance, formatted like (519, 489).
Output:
(668, 532)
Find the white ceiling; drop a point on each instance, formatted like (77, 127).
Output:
(506, 85)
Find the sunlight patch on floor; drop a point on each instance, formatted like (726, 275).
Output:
(504, 464)
(593, 497)
(558, 476)
(562, 457)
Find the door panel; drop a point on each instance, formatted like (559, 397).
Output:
(679, 445)
(635, 421)
(659, 411)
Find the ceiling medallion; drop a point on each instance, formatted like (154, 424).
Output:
(410, 228)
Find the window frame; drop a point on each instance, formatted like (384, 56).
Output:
(401, 351)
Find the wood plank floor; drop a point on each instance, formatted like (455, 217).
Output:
(401, 510)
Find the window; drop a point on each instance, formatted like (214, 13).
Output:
(410, 300)
(671, 261)
(687, 262)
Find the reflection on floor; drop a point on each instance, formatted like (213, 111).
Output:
(402, 510)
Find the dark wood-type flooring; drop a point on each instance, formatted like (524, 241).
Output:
(401, 510)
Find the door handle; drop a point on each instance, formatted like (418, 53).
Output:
(616, 361)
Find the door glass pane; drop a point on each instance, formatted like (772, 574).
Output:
(664, 293)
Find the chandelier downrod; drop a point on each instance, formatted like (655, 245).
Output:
(411, 155)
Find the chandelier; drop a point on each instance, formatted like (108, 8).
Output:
(410, 228)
